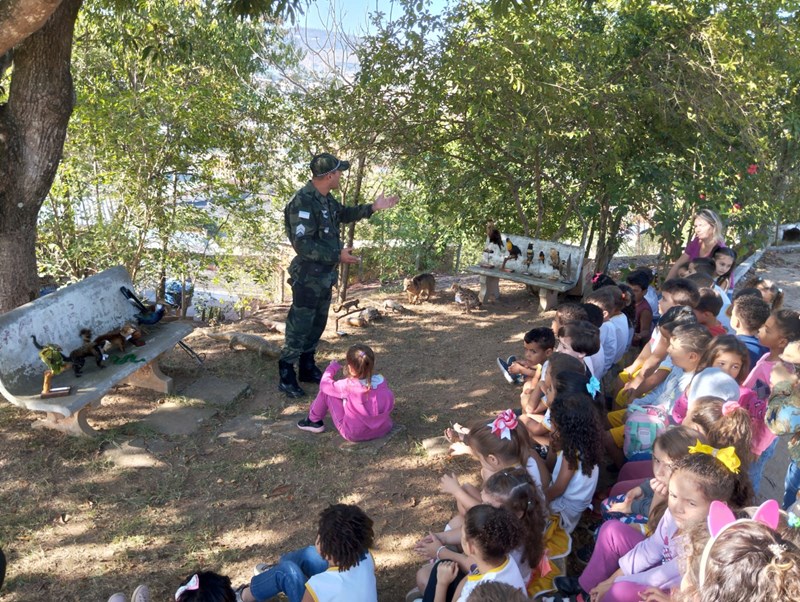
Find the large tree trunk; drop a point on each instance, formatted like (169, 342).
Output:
(33, 125)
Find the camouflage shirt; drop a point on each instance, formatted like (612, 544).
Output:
(313, 225)
(783, 415)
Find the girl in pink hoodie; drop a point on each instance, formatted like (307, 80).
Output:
(360, 404)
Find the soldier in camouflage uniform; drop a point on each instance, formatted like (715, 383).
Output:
(313, 218)
(783, 414)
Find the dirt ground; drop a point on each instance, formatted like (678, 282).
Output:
(76, 527)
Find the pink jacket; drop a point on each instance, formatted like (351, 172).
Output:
(367, 411)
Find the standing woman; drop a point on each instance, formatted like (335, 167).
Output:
(707, 237)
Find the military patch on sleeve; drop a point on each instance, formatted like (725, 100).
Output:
(304, 214)
(300, 230)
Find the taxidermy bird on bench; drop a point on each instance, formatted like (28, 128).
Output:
(494, 237)
(514, 252)
(147, 315)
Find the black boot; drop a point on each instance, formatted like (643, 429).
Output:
(309, 373)
(288, 382)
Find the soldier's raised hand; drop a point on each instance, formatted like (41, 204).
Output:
(385, 202)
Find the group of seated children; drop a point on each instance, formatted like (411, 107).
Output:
(686, 423)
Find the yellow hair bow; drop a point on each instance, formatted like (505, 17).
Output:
(726, 455)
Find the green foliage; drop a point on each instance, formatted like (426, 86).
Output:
(163, 161)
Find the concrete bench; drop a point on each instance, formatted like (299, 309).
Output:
(535, 268)
(94, 303)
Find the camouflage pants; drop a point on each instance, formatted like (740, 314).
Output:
(307, 318)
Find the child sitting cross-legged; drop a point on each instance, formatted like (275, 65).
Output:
(338, 566)
(488, 536)
(539, 344)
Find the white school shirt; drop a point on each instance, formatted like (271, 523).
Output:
(596, 363)
(608, 343)
(577, 497)
(722, 316)
(620, 323)
(508, 572)
(651, 296)
(356, 584)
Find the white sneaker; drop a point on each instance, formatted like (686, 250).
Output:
(141, 594)
(261, 567)
(504, 369)
(118, 597)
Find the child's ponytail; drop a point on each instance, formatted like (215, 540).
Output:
(725, 424)
(504, 438)
(522, 498)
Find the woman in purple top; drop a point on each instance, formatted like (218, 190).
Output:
(707, 237)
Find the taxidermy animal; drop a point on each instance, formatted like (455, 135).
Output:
(276, 327)
(371, 315)
(541, 256)
(392, 305)
(356, 320)
(494, 237)
(88, 349)
(248, 341)
(118, 338)
(513, 250)
(465, 297)
(555, 259)
(346, 305)
(148, 314)
(417, 286)
(52, 356)
(56, 362)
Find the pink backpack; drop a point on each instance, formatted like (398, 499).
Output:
(642, 425)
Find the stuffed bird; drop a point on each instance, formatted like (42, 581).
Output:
(513, 250)
(494, 236)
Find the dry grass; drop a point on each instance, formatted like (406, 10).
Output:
(76, 527)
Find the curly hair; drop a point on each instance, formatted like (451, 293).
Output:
(212, 588)
(494, 591)
(577, 431)
(715, 480)
(751, 311)
(514, 451)
(748, 561)
(522, 497)
(495, 531)
(345, 535)
(726, 343)
(731, 430)
(788, 322)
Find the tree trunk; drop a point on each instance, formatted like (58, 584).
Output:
(33, 125)
(351, 230)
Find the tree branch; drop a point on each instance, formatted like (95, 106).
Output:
(20, 18)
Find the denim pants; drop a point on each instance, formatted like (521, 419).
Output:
(289, 575)
(757, 467)
(791, 485)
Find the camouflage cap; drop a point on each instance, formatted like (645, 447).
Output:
(325, 163)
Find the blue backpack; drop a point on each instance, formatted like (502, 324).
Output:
(642, 425)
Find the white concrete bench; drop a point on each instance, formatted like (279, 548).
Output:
(539, 276)
(94, 303)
